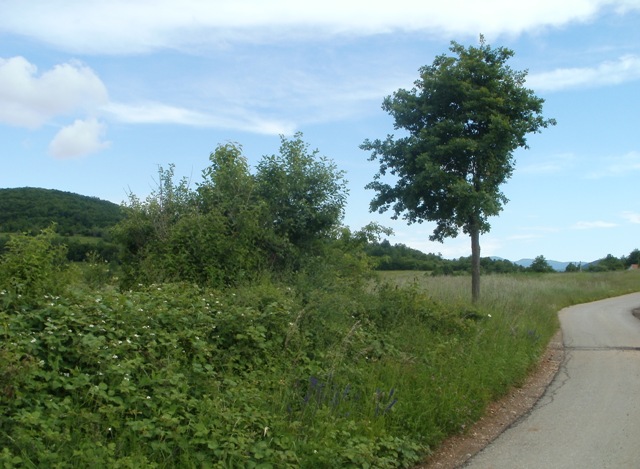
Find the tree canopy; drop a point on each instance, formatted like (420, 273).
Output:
(461, 124)
(235, 225)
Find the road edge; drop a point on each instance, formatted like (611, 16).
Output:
(455, 451)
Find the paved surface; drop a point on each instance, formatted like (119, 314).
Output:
(589, 417)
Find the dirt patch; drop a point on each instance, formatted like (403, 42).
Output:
(636, 313)
(500, 415)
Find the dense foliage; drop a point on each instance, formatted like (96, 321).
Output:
(235, 226)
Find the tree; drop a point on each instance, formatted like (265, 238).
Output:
(305, 193)
(573, 268)
(632, 258)
(540, 265)
(464, 118)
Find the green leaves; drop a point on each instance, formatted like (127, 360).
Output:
(31, 267)
(464, 118)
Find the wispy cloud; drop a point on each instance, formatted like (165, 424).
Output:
(624, 69)
(588, 225)
(159, 113)
(617, 166)
(122, 26)
(632, 217)
(549, 165)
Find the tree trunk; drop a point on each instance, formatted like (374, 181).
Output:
(475, 263)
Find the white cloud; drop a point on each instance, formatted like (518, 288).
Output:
(587, 225)
(158, 113)
(29, 100)
(632, 217)
(624, 69)
(81, 138)
(122, 26)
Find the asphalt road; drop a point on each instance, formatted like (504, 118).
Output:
(589, 417)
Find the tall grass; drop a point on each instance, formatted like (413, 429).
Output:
(269, 375)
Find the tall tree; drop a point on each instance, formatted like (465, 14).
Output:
(463, 119)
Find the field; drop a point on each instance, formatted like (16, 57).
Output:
(267, 375)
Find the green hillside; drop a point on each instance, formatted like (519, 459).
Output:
(82, 222)
(29, 209)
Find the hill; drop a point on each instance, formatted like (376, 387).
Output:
(29, 209)
(82, 222)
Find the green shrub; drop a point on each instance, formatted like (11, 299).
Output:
(30, 268)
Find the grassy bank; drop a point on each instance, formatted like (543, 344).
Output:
(270, 375)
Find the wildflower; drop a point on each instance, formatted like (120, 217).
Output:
(148, 397)
(115, 357)
(98, 300)
(488, 315)
(33, 341)
(264, 433)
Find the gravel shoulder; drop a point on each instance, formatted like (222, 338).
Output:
(500, 415)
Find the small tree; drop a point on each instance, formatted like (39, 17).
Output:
(464, 118)
(305, 193)
(573, 268)
(540, 265)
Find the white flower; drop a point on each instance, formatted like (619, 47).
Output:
(488, 315)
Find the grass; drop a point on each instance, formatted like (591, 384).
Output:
(269, 375)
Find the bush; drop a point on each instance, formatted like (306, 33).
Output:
(30, 268)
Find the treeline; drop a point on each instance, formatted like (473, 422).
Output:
(401, 257)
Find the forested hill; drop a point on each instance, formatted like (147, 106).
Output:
(29, 209)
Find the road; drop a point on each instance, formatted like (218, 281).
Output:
(589, 417)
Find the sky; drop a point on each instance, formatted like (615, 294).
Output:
(96, 95)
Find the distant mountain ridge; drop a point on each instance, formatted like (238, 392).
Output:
(556, 265)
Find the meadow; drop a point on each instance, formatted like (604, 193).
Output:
(270, 374)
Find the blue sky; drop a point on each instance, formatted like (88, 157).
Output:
(94, 95)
